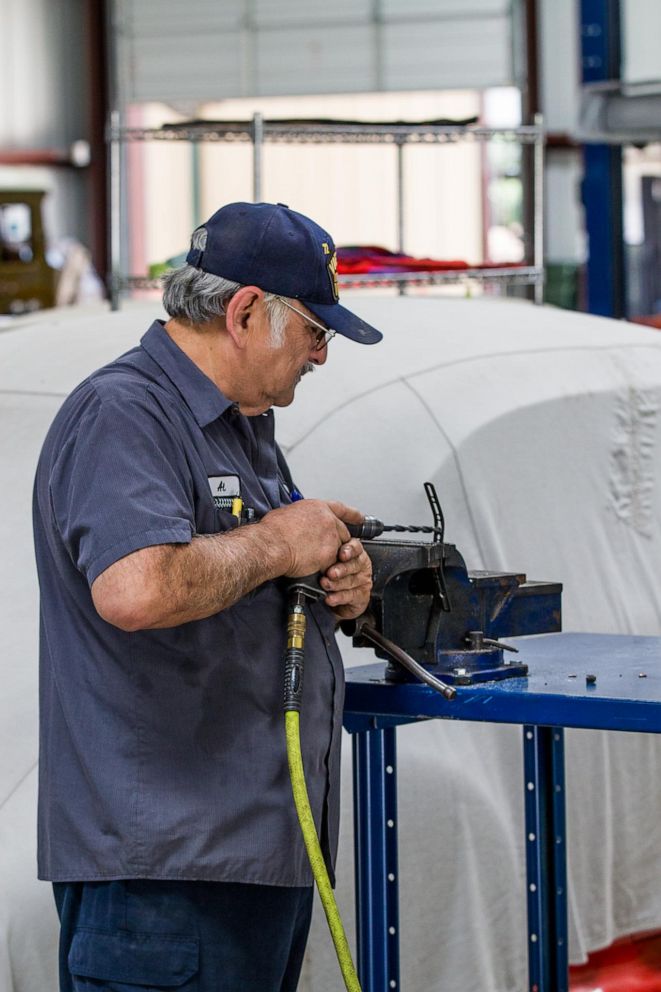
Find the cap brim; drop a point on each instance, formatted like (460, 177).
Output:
(344, 322)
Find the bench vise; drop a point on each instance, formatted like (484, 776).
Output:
(451, 621)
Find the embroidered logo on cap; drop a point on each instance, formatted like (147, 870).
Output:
(331, 268)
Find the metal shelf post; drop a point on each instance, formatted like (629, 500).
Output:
(115, 197)
(257, 156)
(538, 209)
(375, 841)
(546, 862)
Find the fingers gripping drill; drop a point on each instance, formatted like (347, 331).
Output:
(308, 587)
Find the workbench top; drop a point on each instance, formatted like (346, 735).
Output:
(625, 696)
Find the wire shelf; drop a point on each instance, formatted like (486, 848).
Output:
(511, 276)
(327, 133)
(397, 135)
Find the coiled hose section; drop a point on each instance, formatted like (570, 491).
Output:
(293, 691)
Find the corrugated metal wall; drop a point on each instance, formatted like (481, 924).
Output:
(209, 50)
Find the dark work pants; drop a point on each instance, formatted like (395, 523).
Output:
(137, 935)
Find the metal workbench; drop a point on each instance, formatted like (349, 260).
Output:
(625, 695)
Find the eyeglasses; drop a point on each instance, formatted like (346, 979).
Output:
(323, 334)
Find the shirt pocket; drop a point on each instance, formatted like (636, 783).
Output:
(211, 519)
(211, 516)
(122, 961)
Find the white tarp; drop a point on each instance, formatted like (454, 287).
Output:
(540, 429)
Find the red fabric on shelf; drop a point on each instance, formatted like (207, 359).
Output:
(362, 259)
(630, 965)
(355, 259)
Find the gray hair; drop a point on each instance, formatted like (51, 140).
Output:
(198, 297)
(194, 296)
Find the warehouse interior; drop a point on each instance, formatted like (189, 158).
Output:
(490, 171)
(65, 66)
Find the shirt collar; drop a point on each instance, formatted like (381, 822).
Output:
(205, 400)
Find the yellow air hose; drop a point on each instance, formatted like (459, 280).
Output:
(293, 691)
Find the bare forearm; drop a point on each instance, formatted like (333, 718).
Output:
(214, 572)
(172, 584)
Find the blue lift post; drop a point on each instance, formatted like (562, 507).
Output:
(602, 183)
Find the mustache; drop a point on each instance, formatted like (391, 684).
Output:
(308, 367)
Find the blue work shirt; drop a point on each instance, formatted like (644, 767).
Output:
(162, 752)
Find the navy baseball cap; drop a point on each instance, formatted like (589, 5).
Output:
(283, 252)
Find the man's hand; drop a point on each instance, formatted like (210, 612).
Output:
(317, 540)
(309, 534)
(348, 581)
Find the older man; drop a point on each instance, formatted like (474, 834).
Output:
(165, 522)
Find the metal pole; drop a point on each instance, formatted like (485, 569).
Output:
(546, 866)
(400, 203)
(375, 845)
(257, 150)
(538, 208)
(400, 197)
(115, 193)
(196, 197)
(114, 155)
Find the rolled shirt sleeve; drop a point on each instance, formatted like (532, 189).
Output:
(120, 483)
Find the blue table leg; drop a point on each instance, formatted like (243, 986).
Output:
(375, 832)
(543, 758)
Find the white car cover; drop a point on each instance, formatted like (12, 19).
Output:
(540, 429)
